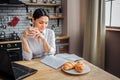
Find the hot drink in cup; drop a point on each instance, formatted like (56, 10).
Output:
(31, 32)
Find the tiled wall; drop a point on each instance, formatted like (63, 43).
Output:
(8, 13)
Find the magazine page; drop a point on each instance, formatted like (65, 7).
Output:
(70, 57)
(53, 61)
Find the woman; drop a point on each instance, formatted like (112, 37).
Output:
(38, 40)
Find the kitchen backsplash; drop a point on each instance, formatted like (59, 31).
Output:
(15, 18)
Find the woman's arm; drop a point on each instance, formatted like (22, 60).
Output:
(46, 45)
(26, 47)
(52, 43)
(27, 53)
(49, 45)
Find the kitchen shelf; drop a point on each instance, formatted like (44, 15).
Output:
(51, 17)
(12, 5)
(62, 37)
(45, 5)
(42, 4)
(56, 17)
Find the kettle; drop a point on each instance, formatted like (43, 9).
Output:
(2, 36)
(15, 36)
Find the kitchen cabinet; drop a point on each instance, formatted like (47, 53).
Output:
(62, 44)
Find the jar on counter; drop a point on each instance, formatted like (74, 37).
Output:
(33, 1)
(53, 1)
(45, 1)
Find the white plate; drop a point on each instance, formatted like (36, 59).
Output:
(73, 71)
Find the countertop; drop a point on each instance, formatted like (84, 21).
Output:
(16, 41)
(47, 73)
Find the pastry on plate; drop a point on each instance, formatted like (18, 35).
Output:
(79, 66)
(69, 65)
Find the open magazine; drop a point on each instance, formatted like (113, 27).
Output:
(59, 59)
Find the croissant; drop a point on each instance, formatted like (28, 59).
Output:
(79, 66)
(69, 65)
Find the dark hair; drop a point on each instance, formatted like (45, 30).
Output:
(40, 12)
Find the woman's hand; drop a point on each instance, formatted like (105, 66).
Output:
(29, 32)
(38, 34)
(33, 33)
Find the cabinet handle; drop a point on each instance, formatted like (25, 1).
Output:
(13, 49)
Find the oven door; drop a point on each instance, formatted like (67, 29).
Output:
(15, 54)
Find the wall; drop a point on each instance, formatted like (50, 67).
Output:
(74, 22)
(8, 13)
(112, 58)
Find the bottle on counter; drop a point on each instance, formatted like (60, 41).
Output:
(30, 14)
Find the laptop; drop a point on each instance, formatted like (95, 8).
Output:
(13, 71)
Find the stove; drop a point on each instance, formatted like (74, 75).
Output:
(13, 45)
(9, 39)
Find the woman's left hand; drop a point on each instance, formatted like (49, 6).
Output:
(38, 34)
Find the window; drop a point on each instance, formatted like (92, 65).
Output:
(112, 13)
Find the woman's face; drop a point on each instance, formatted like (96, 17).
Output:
(41, 23)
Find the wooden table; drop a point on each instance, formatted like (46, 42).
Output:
(48, 73)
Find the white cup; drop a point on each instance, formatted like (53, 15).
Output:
(31, 36)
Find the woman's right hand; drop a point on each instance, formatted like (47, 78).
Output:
(28, 32)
